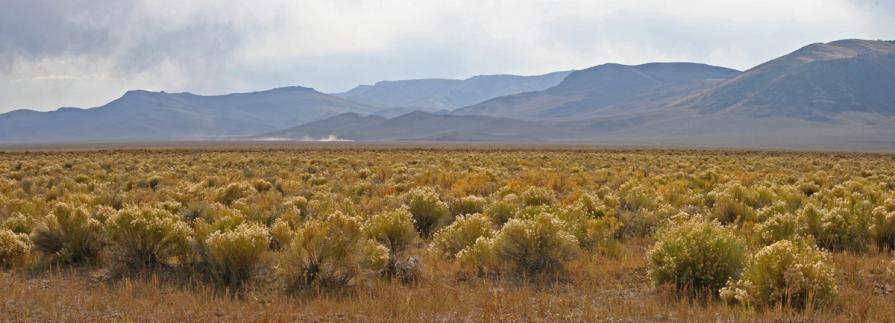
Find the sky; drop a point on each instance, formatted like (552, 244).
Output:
(84, 53)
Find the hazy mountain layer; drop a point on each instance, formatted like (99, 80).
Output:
(142, 115)
(816, 82)
(607, 89)
(447, 94)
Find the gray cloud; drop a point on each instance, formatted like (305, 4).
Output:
(87, 52)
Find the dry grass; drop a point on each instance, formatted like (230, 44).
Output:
(596, 288)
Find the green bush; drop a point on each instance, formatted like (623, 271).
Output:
(732, 203)
(235, 254)
(394, 229)
(468, 205)
(13, 249)
(536, 196)
(501, 211)
(791, 273)
(785, 226)
(590, 231)
(18, 223)
(696, 256)
(429, 212)
(535, 246)
(68, 235)
(461, 234)
(844, 228)
(883, 227)
(147, 237)
(331, 253)
(281, 233)
(233, 192)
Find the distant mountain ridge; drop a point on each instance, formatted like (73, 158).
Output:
(606, 88)
(817, 82)
(421, 125)
(447, 94)
(144, 115)
(836, 95)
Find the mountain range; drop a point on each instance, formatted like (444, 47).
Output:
(446, 94)
(837, 95)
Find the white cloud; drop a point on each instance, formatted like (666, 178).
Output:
(94, 51)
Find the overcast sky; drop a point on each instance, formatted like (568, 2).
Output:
(85, 53)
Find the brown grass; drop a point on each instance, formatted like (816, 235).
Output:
(596, 288)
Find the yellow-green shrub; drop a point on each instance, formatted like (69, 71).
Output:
(468, 205)
(18, 223)
(501, 211)
(147, 237)
(429, 212)
(461, 234)
(536, 196)
(234, 254)
(394, 229)
(13, 249)
(791, 273)
(883, 227)
(696, 256)
(69, 235)
(844, 228)
(281, 233)
(535, 246)
(331, 252)
(785, 226)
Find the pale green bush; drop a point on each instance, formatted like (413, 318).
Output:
(536, 196)
(732, 203)
(785, 226)
(468, 205)
(593, 206)
(883, 227)
(696, 256)
(478, 257)
(535, 246)
(233, 192)
(844, 228)
(636, 197)
(281, 233)
(461, 234)
(332, 252)
(13, 249)
(18, 223)
(502, 210)
(394, 229)
(235, 254)
(69, 235)
(589, 231)
(141, 237)
(429, 212)
(791, 273)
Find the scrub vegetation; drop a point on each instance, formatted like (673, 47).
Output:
(446, 234)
